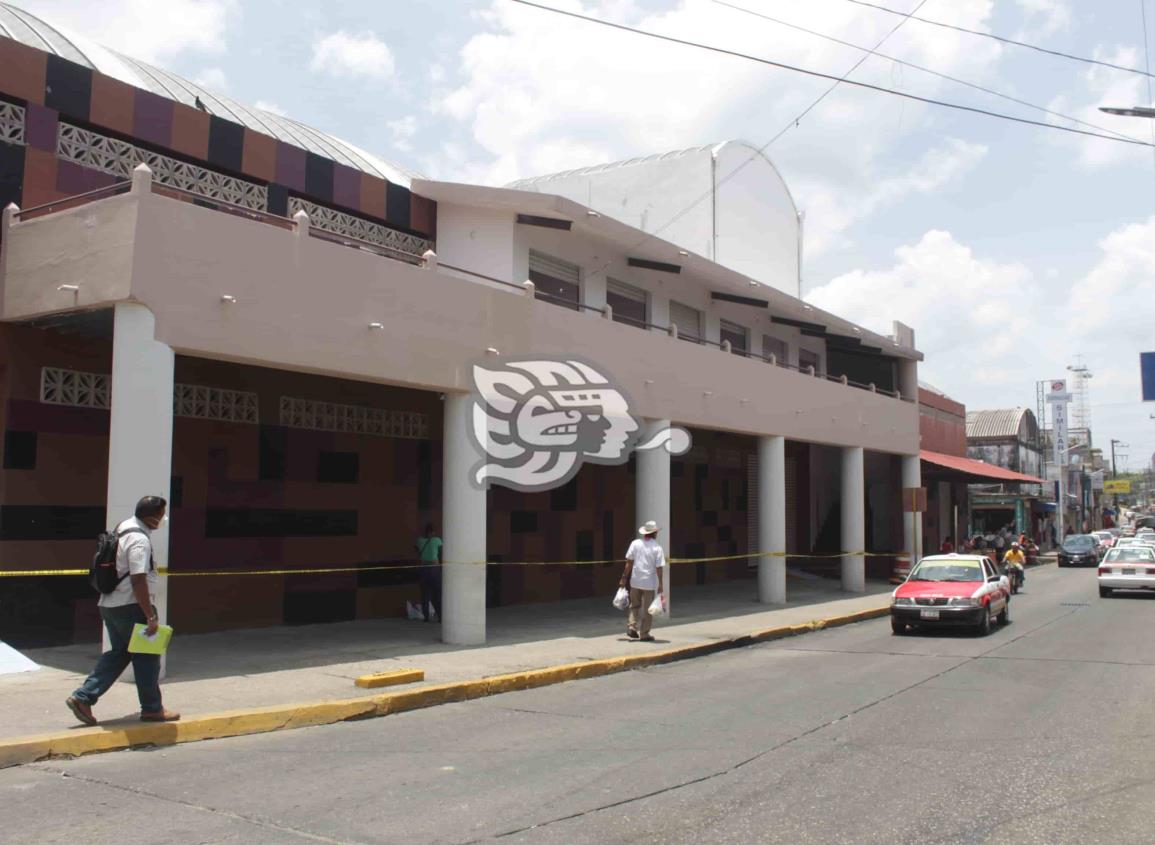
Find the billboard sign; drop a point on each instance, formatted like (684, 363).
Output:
(1118, 486)
(1147, 375)
(1059, 416)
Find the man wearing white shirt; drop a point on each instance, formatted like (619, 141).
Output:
(129, 604)
(645, 567)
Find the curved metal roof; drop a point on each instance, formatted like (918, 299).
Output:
(1018, 423)
(28, 29)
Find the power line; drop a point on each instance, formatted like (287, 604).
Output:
(819, 75)
(1003, 39)
(924, 69)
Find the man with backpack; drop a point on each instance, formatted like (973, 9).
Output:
(125, 575)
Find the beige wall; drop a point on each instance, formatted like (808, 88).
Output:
(304, 304)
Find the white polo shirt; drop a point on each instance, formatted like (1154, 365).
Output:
(133, 554)
(648, 558)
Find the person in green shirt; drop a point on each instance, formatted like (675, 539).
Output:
(428, 549)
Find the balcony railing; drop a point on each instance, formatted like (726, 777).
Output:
(301, 224)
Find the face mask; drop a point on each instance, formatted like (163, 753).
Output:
(163, 521)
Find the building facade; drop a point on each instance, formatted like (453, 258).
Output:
(277, 331)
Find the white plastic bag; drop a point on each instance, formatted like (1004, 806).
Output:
(622, 599)
(413, 609)
(658, 605)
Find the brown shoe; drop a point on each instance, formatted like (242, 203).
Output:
(647, 638)
(162, 716)
(80, 710)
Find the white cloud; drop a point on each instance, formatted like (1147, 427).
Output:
(271, 108)
(142, 28)
(352, 55)
(1043, 18)
(212, 78)
(403, 130)
(540, 93)
(991, 329)
(1106, 87)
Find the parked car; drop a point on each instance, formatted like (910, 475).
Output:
(1079, 550)
(1129, 568)
(952, 590)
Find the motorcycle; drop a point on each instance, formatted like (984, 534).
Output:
(1015, 574)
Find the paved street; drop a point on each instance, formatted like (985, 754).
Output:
(1040, 733)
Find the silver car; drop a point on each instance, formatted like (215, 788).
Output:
(1128, 568)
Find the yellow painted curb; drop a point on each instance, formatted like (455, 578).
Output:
(81, 741)
(390, 679)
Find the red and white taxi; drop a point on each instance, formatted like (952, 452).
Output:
(954, 590)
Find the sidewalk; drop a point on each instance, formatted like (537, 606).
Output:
(236, 670)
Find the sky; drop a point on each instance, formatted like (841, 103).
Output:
(1014, 251)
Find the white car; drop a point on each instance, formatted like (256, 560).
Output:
(1128, 568)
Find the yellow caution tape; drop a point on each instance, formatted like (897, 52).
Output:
(164, 570)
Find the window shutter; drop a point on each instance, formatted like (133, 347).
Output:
(555, 268)
(687, 319)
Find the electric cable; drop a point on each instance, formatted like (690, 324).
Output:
(820, 75)
(1003, 39)
(922, 68)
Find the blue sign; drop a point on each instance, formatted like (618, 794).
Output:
(1147, 375)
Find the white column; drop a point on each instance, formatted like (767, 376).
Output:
(463, 518)
(772, 518)
(912, 522)
(652, 494)
(140, 427)
(853, 519)
(908, 379)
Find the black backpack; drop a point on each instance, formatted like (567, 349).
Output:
(102, 574)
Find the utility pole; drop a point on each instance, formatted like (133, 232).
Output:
(1114, 472)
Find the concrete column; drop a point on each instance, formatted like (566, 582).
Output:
(140, 427)
(463, 517)
(772, 518)
(908, 379)
(853, 519)
(912, 522)
(652, 494)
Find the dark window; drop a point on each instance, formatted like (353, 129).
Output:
(564, 498)
(397, 205)
(273, 449)
(20, 450)
(424, 475)
(628, 303)
(176, 492)
(11, 174)
(278, 200)
(557, 281)
(585, 546)
(778, 348)
(269, 522)
(522, 522)
(49, 522)
(338, 467)
(737, 335)
(806, 358)
(319, 177)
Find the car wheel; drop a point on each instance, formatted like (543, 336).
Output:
(985, 622)
(897, 628)
(1005, 616)
(1105, 592)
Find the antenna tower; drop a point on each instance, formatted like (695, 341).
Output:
(1081, 407)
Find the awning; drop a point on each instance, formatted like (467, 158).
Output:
(967, 469)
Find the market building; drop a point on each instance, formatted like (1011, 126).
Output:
(277, 329)
(1008, 438)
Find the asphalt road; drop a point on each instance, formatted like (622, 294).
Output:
(1039, 733)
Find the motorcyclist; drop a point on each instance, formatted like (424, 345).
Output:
(1014, 558)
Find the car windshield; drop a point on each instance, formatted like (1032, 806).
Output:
(1134, 553)
(1078, 543)
(947, 570)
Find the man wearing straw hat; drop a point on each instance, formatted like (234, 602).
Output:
(645, 562)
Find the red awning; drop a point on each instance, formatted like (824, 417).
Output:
(978, 469)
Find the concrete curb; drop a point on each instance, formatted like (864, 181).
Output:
(81, 741)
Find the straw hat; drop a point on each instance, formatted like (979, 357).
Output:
(650, 527)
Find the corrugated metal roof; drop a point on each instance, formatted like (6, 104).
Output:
(1003, 422)
(28, 29)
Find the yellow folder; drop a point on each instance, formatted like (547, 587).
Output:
(141, 643)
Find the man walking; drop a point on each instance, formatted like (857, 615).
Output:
(130, 603)
(429, 551)
(645, 563)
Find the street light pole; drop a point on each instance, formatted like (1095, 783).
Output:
(1114, 472)
(1136, 111)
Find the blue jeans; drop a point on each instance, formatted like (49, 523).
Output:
(145, 667)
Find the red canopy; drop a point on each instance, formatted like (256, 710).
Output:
(978, 469)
